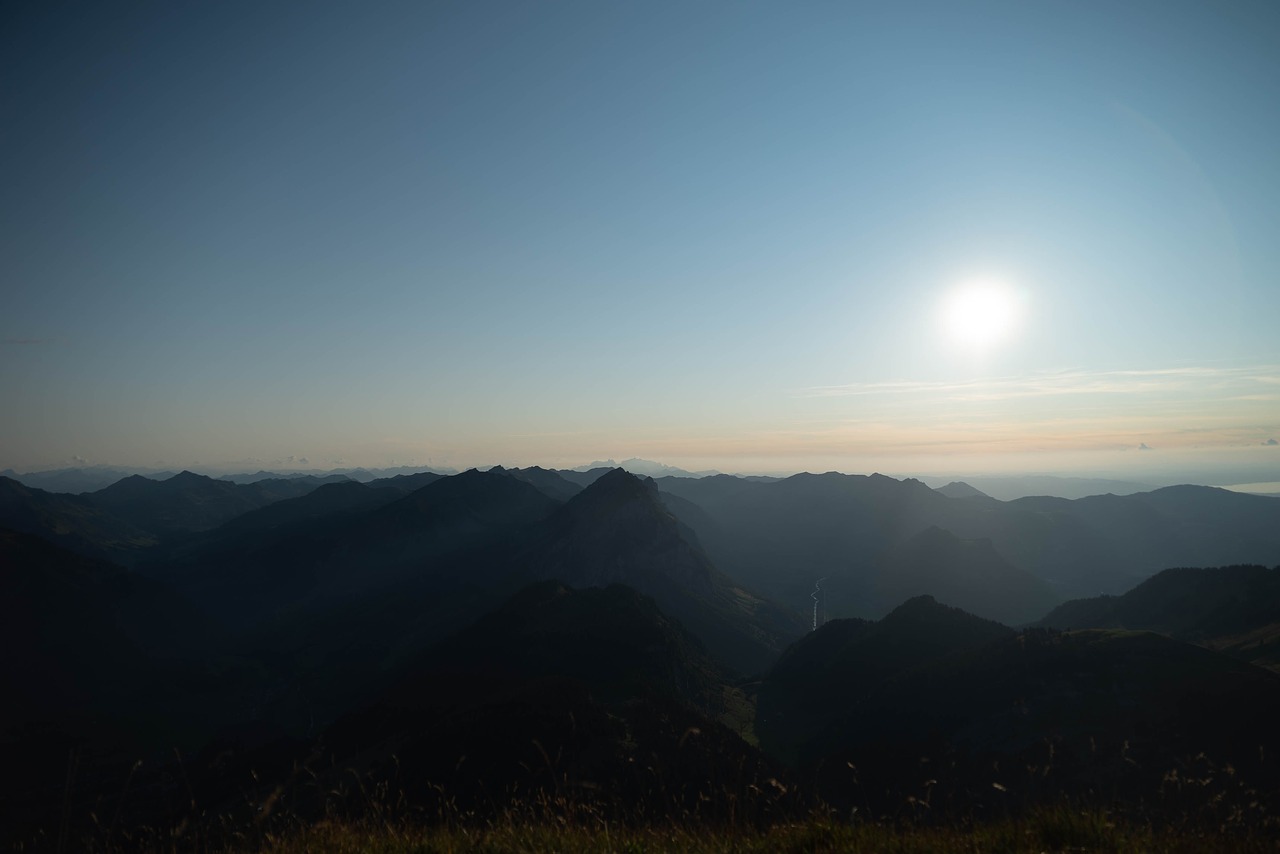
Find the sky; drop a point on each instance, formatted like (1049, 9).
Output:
(916, 237)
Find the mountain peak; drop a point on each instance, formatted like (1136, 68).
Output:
(620, 483)
(960, 489)
(918, 606)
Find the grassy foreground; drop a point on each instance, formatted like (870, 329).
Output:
(1050, 833)
(1057, 830)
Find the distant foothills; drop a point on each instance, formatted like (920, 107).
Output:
(89, 478)
(689, 641)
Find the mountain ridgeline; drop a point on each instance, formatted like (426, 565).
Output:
(777, 537)
(1235, 609)
(492, 632)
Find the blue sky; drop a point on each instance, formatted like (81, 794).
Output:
(715, 234)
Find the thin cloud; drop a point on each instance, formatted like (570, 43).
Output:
(27, 342)
(1060, 384)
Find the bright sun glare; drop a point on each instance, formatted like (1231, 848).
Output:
(981, 314)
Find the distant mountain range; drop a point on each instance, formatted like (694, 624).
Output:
(80, 479)
(1012, 487)
(648, 468)
(778, 537)
(519, 630)
(869, 536)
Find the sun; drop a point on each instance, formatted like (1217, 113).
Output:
(979, 315)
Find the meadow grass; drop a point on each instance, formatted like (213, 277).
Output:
(1049, 831)
(558, 826)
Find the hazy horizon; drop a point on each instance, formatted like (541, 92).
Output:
(925, 238)
(1260, 480)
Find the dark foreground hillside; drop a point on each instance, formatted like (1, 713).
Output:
(918, 708)
(590, 697)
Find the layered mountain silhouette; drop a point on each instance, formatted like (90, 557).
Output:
(960, 489)
(375, 539)
(617, 530)
(75, 479)
(593, 695)
(190, 502)
(71, 521)
(476, 536)
(134, 514)
(591, 633)
(1011, 487)
(1235, 609)
(778, 537)
(971, 574)
(836, 668)
(929, 697)
(551, 483)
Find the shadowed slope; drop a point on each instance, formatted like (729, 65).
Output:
(830, 671)
(592, 694)
(943, 698)
(1235, 609)
(72, 521)
(190, 502)
(316, 562)
(618, 531)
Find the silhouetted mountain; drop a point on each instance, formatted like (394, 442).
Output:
(1108, 543)
(332, 499)
(645, 468)
(72, 480)
(289, 517)
(548, 482)
(778, 537)
(406, 483)
(649, 468)
(365, 475)
(189, 502)
(539, 634)
(316, 561)
(1012, 487)
(960, 489)
(833, 669)
(590, 692)
(313, 480)
(968, 574)
(584, 478)
(1038, 714)
(1235, 609)
(342, 600)
(72, 521)
(618, 531)
(1089, 711)
(461, 508)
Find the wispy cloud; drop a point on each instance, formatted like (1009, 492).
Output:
(1063, 384)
